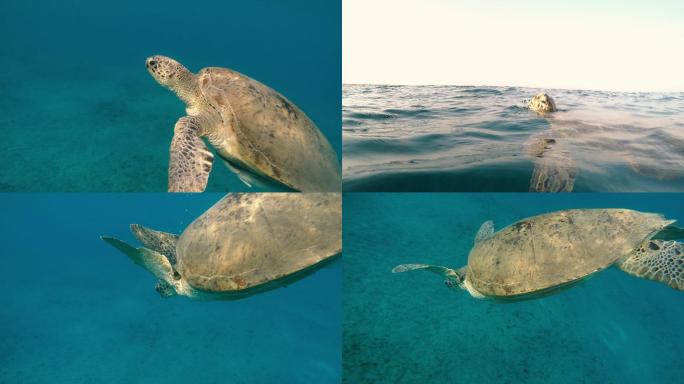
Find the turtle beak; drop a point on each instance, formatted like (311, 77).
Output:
(151, 63)
(158, 68)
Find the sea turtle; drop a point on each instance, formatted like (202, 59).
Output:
(543, 254)
(244, 244)
(256, 130)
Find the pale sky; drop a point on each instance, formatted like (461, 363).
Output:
(582, 44)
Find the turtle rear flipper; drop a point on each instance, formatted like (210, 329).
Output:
(485, 232)
(189, 161)
(452, 277)
(153, 261)
(657, 260)
(162, 242)
(432, 268)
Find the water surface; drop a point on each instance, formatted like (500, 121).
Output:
(452, 138)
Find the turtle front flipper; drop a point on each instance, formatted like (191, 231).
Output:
(657, 260)
(190, 161)
(453, 278)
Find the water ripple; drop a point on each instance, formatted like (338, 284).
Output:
(444, 138)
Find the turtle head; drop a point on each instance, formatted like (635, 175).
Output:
(173, 75)
(542, 103)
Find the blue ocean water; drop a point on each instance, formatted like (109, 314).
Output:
(453, 138)
(75, 310)
(79, 112)
(410, 328)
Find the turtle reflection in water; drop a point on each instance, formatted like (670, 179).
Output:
(554, 167)
(244, 244)
(554, 164)
(543, 254)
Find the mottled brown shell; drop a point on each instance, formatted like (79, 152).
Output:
(246, 240)
(550, 250)
(271, 134)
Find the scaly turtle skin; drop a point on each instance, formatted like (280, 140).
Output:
(244, 244)
(255, 129)
(543, 254)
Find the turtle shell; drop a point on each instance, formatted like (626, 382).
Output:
(552, 250)
(248, 240)
(273, 137)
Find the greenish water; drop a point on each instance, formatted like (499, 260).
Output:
(76, 310)
(79, 112)
(410, 328)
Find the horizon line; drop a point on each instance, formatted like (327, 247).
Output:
(510, 86)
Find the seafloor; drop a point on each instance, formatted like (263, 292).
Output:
(79, 112)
